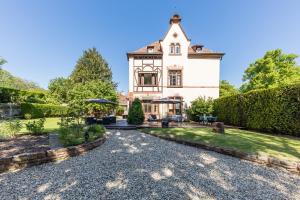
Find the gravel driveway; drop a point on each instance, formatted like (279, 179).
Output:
(132, 165)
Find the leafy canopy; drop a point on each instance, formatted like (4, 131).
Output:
(2, 62)
(59, 88)
(273, 70)
(93, 89)
(226, 89)
(7, 80)
(200, 106)
(91, 66)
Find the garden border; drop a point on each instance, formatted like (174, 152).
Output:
(266, 160)
(24, 160)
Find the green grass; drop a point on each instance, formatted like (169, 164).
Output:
(242, 140)
(49, 126)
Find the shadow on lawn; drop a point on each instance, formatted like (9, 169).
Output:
(133, 165)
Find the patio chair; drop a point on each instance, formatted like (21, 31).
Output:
(211, 119)
(152, 118)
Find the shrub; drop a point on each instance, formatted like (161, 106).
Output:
(136, 114)
(27, 116)
(200, 106)
(36, 127)
(274, 110)
(71, 134)
(10, 128)
(43, 110)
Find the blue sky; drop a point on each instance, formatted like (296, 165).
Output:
(42, 40)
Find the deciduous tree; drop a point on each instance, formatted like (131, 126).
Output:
(226, 89)
(273, 70)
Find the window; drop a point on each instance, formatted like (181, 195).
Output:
(175, 48)
(172, 49)
(176, 108)
(148, 79)
(198, 49)
(175, 78)
(147, 106)
(150, 49)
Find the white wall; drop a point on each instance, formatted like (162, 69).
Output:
(200, 76)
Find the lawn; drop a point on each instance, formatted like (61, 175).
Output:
(246, 141)
(50, 125)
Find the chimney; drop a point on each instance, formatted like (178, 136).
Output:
(175, 19)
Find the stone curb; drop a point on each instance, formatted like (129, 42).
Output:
(268, 161)
(24, 160)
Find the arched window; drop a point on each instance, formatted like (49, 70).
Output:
(177, 48)
(172, 48)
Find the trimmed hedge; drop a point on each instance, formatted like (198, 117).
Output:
(43, 110)
(274, 110)
(16, 96)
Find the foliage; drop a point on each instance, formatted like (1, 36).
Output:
(200, 106)
(2, 62)
(136, 113)
(91, 66)
(71, 133)
(91, 89)
(59, 88)
(9, 81)
(27, 116)
(36, 126)
(19, 96)
(249, 142)
(10, 128)
(120, 111)
(273, 70)
(226, 89)
(275, 110)
(43, 110)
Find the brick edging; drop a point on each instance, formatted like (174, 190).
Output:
(30, 159)
(268, 161)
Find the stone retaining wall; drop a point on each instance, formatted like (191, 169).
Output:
(269, 161)
(30, 159)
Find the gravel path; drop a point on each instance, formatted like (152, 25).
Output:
(132, 165)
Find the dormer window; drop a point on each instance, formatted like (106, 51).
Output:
(198, 49)
(150, 49)
(175, 48)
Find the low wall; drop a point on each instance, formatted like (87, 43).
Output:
(269, 161)
(30, 159)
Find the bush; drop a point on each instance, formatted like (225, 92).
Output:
(18, 96)
(200, 106)
(10, 128)
(43, 110)
(36, 127)
(71, 133)
(136, 114)
(274, 110)
(27, 116)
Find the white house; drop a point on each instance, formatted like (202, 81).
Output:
(173, 68)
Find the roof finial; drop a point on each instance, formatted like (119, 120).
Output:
(175, 19)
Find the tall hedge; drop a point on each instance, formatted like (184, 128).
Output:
(274, 110)
(43, 110)
(16, 96)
